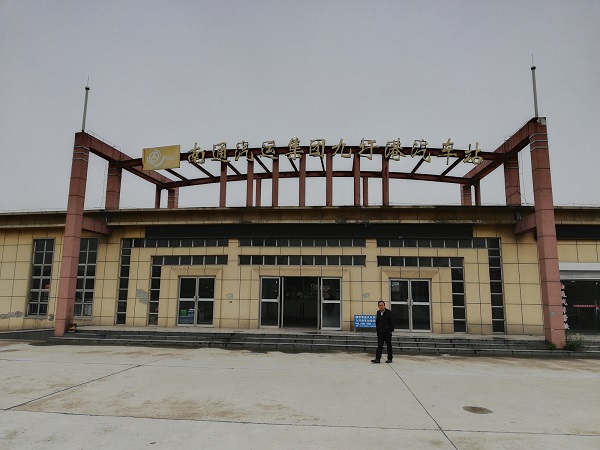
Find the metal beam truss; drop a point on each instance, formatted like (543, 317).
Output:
(282, 166)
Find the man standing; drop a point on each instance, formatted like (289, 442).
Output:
(384, 323)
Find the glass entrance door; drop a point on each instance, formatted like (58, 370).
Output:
(196, 301)
(411, 304)
(330, 303)
(269, 302)
(300, 305)
(300, 302)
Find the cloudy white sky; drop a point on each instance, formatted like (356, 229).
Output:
(180, 72)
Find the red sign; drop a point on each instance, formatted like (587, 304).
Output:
(587, 306)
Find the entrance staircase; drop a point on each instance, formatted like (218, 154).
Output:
(322, 341)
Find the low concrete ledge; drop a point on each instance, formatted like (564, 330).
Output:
(258, 342)
(27, 335)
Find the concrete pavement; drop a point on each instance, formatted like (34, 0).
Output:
(90, 397)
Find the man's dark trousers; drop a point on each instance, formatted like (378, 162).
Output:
(381, 338)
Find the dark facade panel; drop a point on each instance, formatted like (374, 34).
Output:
(573, 232)
(366, 230)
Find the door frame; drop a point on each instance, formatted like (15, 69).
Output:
(410, 302)
(270, 300)
(196, 301)
(281, 302)
(323, 302)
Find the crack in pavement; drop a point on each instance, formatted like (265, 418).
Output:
(422, 406)
(75, 386)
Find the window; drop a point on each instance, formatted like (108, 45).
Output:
(121, 315)
(303, 242)
(302, 260)
(495, 268)
(86, 277)
(41, 275)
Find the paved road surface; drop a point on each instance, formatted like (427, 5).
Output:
(92, 397)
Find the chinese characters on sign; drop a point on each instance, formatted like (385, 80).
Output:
(364, 321)
(393, 150)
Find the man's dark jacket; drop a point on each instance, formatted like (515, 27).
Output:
(384, 322)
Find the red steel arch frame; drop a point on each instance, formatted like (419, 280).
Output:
(533, 134)
(230, 173)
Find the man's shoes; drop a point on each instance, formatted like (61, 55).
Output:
(376, 361)
(388, 361)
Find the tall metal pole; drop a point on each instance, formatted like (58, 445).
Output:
(535, 105)
(87, 90)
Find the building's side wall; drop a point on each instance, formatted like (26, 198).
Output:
(16, 252)
(107, 276)
(521, 279)
(579, 251)
(237, 287)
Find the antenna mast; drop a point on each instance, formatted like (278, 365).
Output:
(87, 91)
(535, 104)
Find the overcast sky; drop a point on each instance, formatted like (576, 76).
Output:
(180, 72)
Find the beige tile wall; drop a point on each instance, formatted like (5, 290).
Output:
(16, 250)
(238, 287)
(522, 295)
(580, 251)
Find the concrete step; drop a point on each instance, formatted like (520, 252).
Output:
(324, 342)
(331, 340)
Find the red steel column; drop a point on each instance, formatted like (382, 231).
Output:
(275, 184)
(249, 181)
(173, 198)
(223, 185)
(554, 328)
(157, 195)
(302, 182)
(356, 173)
(477, 187)
(67, 282)
(365, 191)
(385, 180)
(466, 199)
(258, 191)
(113, 187)
(329, 179)
(512, 186)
